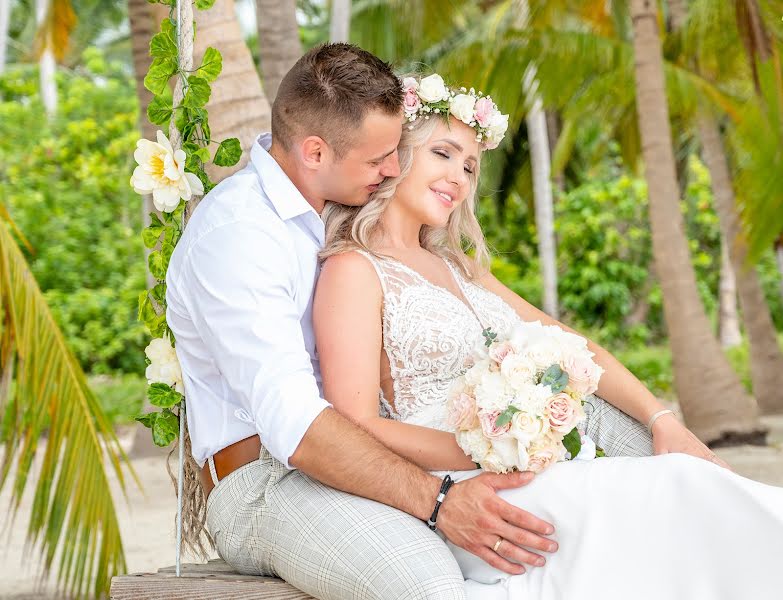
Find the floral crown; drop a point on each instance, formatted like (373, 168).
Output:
(430, 95)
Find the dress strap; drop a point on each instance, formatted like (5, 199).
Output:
(376, 265)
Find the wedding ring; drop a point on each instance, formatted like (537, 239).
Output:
(497, 544)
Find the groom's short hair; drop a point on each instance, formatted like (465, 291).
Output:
(329, 91)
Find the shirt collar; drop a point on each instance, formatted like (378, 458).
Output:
(281, 191)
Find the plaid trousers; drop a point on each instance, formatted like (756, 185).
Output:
(267, 520)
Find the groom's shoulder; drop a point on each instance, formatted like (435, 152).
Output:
(237, 201)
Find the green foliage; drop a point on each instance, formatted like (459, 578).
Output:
(67, 189)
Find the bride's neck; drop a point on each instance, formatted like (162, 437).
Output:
(399, 230)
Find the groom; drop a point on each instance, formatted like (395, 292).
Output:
(294, 489)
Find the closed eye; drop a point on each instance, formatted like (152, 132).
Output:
(445, 155)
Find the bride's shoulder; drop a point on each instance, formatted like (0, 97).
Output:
(350, 270)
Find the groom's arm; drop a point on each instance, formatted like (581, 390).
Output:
(241, 295)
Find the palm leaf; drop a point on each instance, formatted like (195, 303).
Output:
(43, 390)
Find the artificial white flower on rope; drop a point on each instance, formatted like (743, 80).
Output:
(164, 366)
(161, 172)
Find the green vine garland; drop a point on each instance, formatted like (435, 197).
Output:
(161, 236)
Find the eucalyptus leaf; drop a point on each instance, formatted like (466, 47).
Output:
(573, 442)
(228, 153)
(555, 378)
(198, 92)
(163, 395)
(505, 417)
(211, 65)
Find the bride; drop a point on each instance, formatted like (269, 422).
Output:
(400, 306)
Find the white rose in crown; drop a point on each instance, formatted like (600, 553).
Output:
(496, 130)
(161, 172)
(433, 89)
(461, 106)
(164, 365)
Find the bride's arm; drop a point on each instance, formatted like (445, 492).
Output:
(348, 329)
(618, 385)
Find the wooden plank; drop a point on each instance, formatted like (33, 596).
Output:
(212, 581)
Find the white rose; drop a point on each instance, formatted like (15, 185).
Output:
(491, 393)
(476, 372)
(494, 463)
(474, 444)
(433, 89)
(161, 172)
(461, 106)
(512, 453)
(527, 427)
(164, 365)
(497, 129)
(518, 371)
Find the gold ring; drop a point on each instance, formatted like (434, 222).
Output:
(497, 544)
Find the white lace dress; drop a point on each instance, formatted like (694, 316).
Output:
(663, 527)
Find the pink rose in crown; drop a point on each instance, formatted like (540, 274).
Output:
(411, 100)
(564, 413)
(488, 424)
(583, 373)
(462, 412)
(484, 110)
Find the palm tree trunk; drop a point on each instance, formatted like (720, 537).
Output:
(542, 192)
(278, 38)
(46, 64)
(728, 316)
(766, 359)
(712, 400)
(5, 22)
(238, 107)
(340, 23)
(779, 258)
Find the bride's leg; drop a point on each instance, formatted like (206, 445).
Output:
(614, 431)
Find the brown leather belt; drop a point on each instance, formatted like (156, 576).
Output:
(229, 459)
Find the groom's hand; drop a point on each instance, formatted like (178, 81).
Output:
(669, 435)
(474, 517)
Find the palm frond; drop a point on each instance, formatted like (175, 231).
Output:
(44, 391)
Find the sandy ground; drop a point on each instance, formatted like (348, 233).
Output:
(147, 518)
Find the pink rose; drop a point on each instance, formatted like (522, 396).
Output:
(462, 412)
(499, 350)
(411, 101)
(562, 413)
(583, 373)
(488, 426)
(484, 109)
(545, 452)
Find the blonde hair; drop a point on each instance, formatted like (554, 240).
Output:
(358, 227)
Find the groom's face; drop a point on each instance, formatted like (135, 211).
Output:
(372, 158)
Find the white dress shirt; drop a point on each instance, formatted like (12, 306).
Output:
(240, 296)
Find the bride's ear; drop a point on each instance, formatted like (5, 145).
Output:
(315, 152)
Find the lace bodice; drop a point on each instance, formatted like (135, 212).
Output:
(428, 335)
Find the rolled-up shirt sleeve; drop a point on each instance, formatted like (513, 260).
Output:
(241, 297)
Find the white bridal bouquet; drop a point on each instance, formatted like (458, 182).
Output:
(519, 406)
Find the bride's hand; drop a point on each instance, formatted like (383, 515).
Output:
(475, 518)
(669, 435)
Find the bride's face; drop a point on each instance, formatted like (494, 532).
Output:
(440, 176)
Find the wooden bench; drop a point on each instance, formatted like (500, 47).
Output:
(211, 581)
